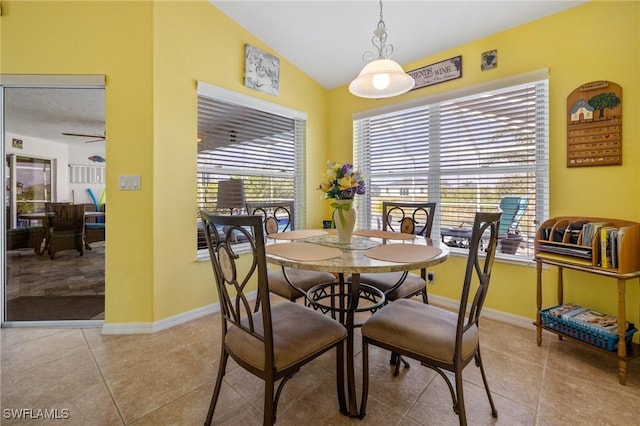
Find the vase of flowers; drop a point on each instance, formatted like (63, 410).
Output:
(342, 183)
(344, 217)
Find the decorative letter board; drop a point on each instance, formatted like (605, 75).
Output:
(594, 125)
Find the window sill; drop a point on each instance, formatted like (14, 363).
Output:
(500, 257)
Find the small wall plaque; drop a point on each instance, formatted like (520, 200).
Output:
(261, 70)
(489, 60)
(16, 143)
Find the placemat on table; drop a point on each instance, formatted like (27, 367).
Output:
(303, 251)
(384, 234)
(297, 235)
(403, 253)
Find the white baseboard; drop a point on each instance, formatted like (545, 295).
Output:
(486, 312)
(152, 327)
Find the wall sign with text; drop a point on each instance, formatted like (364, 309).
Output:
(449, 69)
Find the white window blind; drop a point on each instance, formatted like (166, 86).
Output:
(264, 149)
(465, 153)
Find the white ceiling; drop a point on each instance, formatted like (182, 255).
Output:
(326, 39)
(46, 113)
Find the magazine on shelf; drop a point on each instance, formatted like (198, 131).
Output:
(605, 246)
(564, 309)
(613, 247)
(590, 231)
(595, 320)
(573, 312)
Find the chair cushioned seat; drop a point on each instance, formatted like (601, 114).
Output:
(298, 333)
(384, 281)
(421, 329)
(303, 279)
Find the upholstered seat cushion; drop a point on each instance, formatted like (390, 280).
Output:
(299, 277)
(298, 333)
(413, 284)
(420, 329)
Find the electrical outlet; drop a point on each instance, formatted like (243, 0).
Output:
(431, 277)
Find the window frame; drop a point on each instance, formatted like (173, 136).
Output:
(299, 176)
(434, 176)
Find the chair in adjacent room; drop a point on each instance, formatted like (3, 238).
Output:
(512, 208)
(275, 341)
(440, 339)
(66, 228)
(28, 237)
(289, 283)
(409, 218)
(95, 226)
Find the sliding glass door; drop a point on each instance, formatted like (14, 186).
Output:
(50, 129)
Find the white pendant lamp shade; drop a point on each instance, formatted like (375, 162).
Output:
(381, 78)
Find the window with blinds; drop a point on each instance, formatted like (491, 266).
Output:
(465, 151)
(245, 140)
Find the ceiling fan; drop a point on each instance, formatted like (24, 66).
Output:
(95, 138)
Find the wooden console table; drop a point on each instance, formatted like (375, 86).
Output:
(555, 245)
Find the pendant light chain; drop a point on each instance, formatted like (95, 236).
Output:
(381, 77)
(379, 40)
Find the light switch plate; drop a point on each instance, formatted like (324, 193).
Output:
(129, 182)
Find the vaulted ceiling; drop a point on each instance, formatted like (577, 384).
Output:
(326, 39)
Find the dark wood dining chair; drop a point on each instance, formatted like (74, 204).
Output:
(274, 342)
(440, 339)
(289, 283)
(409, 218)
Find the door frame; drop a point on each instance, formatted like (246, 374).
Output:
(71, 81)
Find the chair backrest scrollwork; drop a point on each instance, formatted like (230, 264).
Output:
(486, 225)
(232, 277)
(276, 216)
(409, 218)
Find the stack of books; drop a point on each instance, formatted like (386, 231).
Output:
(609, 238)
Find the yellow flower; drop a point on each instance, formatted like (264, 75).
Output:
(347, 182)
(325, 186)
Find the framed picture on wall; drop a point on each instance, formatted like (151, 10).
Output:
(261, 70)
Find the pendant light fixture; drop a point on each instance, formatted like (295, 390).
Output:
(381, 78)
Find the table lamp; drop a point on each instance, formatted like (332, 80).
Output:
(231, 194)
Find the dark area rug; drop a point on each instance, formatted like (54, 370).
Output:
(52, 308)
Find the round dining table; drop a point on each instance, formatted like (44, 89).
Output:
(370, 251)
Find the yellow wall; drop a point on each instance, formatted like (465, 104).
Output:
(194, 41)
(152, 55)
(116, 40)
(595, 41)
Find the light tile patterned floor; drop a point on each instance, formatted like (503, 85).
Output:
(167, 378)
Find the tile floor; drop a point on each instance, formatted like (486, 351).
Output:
(167, 378)
(69, 274)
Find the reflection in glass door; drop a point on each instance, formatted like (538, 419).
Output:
(29, 188)
(45, 136)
